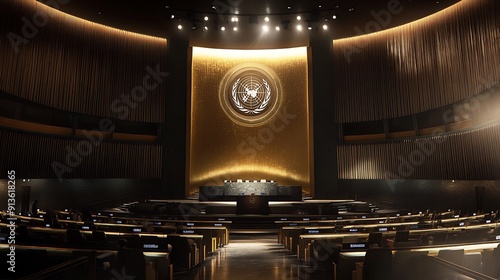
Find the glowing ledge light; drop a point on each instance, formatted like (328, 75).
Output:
(264, 54)
(266, 170)
(74, 21)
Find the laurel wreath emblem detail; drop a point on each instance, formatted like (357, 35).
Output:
(248, 111)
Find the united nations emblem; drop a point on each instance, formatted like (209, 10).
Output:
(250, 94)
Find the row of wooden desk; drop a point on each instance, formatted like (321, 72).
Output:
(323, 242)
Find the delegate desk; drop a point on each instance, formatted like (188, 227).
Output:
(348, 261)
(158, 264)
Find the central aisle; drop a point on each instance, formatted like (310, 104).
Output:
(252, 256)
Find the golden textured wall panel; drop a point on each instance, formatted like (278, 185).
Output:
(249, 117)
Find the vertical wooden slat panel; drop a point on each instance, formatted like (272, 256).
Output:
(80, 66)
(430, 63)
(31, 155)
(468, 155)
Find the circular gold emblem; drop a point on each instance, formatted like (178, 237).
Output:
(250, 94)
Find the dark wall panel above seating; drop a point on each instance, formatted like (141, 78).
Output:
(467, 155)
(49, 157)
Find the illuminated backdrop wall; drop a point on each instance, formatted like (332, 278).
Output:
(249, 117)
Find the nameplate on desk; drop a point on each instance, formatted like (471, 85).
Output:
(188, 231)
(355, 246)
(47, 225)
(339, 218)
(497, 237)
(382, 229)
(353, 230)
(119, 222)
(217, 225)
(190, 224)
(221, 219)
(86, 227)
(313, 231)
(150, 246)
(293, 224)
(137, 230)
(414, 227)
(488, 221)
(306, 219)
(284, 219)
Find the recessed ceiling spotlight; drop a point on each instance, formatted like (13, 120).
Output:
(299, 27)
(266, 19)
(299, 17)
(265, 28)
(179, 26)
(277, 28)
(213, 7)
(222, 28)
(205, 28)
(334, 17)
(234, 19)
(206, 18)
(172, 16)
(289, 7)
(325, 27)
(351, 9)
(319, 6)
(167, 7)
(235, 28)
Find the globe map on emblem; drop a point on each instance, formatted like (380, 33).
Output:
(251, 94)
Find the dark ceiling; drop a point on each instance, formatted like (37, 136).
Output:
(154, 17)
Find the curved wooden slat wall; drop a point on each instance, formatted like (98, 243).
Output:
(33, 155)
(469, 155)
(430, 63)
(76, 65)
